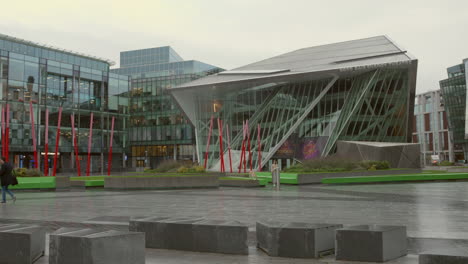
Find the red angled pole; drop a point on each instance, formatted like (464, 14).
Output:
(33, 134)
(7, 132)
(250, 149)
(46, 143)
(229, 147)
(259, 149)
(221, 151)
(3, 132)
(208, 142)
(75, 143)
(57, 140)
(109, 162)
(242, 157)
(90, 139)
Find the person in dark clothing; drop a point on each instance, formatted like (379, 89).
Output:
(6, 178)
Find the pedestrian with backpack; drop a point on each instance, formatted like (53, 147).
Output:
(6, 178)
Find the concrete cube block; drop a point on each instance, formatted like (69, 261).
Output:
(85, 245)
(443, 257)
(193, 234)
(153, 229)
(295, 240)
(229, 237)
(371, 243)
(21, 244)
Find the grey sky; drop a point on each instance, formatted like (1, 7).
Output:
(234, 33)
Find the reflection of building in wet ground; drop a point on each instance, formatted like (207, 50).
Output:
(432, 212)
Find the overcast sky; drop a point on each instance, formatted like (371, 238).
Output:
(233, 33)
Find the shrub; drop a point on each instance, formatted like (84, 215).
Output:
(23, 172)
(168, 166)
(182, 170)
(446, 163)
(34, 173)
(379, 165)
(20, 172)
(199, 169)
(373, 168)
(327, 164)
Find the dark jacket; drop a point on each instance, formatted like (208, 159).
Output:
(6, 177)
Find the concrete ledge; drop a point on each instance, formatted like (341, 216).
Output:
(193, 234)
(443, 257)
(296, 240)
(170, 182)
(316, 178)
(240, 183)
(371, 243)
(84, 245)
(62, 183)
(21, 244)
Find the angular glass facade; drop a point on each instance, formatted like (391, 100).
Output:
(158, 129)
(454, 91)
(299, 104)
(50, 78)
(367, 107)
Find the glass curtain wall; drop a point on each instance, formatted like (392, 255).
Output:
(81, 86)
(312, 115)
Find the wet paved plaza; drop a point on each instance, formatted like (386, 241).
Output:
(435, 213)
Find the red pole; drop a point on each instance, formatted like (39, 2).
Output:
(221, 151)
(46, 143)
(243, 147)
(3, 132)
(57, 140)
(33, 134)
(259, 149)
(208, 141)
(109, 162)
(229, 147)
(7, 132)
(75, 143)
(89, 144)
(250, 149)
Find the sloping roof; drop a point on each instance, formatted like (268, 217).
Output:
(378, 50)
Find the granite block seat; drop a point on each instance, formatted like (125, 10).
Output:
(443, 257)
(21, 244)
(85, 245)
(296, 240)
(371, 243)
(193, 234)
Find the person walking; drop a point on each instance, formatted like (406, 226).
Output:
(6, 178)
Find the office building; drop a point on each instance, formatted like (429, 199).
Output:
(50, 77)
(158, 130)
(453, 90)
(430, 129)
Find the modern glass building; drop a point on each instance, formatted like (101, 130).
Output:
(454, 91)
(430, 128)
(49, 78)
(299, 104)
(158, 130)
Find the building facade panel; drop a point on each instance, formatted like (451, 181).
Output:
(454, 91)
(430, 108)
(158, 129)
(51, 78)
(298, 111)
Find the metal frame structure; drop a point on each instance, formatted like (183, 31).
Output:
(348, 95)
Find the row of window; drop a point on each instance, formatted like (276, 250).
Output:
(50, 54)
